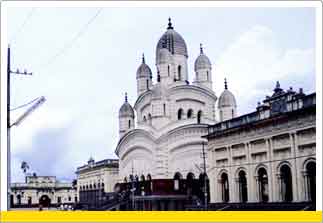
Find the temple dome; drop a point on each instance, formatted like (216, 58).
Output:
(126, 109)
(172, 41)
(202, 61)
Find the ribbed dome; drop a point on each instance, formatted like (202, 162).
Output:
(202, 61)
(164, 56)
(144, 70)
(226, 99)
(172, 41)
(126, 109)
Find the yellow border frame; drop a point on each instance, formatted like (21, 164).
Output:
(160, 216)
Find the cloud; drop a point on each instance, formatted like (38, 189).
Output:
(253, 62)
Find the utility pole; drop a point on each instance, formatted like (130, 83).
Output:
(205, 179)
(9, 72)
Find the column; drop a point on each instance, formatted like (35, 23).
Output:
(250, 179)
(257, 189)
(306, 186)
(294, 167)
(270, 169)
(279, 186)
(238, 197)
(219, 191)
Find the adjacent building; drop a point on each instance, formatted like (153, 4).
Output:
(267, 155)
(42, 190)
(95, 180)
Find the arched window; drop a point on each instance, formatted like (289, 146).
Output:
(180, 114)
(147, 84)
(286, 183)
(179, 71)
(199, 116)
(225, 187)
(164, 108)
(263, 185)
(207, 76)
(243, 189)
(144, 119)
(310, 181)
(232, 113)
(149, 118)
(129, 123)
(168, 70)
(189, 113)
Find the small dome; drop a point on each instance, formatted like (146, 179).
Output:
(172, 41)
(144, 70)
(226, 99)
(202, 61)
(126, 109)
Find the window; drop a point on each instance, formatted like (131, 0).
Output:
(69, 198)
(179, 71)
(144, 119)
(129, 124)
(147, 84)
(199, 116)
(207, 75)
(168, 70)
(189, 113)
(164, 108)
(232, 113)
(59, 200)
(179, 114)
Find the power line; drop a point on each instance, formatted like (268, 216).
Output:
(21, 106)
(69, 44)
(14, 37)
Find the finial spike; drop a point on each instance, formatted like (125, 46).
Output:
(143, 58)
(225, 84)
(126, 97)
(201, 48)
(170, 23)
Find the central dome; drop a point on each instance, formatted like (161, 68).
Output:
(172, 41)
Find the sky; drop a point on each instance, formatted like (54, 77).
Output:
(84, 78)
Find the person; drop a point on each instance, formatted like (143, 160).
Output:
(40, 207)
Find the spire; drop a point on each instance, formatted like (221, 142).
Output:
(170, 24)
(201, 48)
(143, 58)
(277, 84)
(225, 84)
(126, 97)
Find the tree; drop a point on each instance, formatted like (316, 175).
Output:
(24, 166)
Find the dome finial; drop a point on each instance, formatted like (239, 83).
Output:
(170, 23)
(143, 58)
(126, 97)
(201, 48)
(225, 84)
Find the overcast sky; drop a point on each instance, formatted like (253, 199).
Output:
(85, 84)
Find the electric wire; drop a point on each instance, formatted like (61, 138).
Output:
(19, 30)
(69, 44)
(24, 105)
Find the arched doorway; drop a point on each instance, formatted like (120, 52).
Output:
(263, 185)
(286, 183)
(311, 181)
(224, 187)
(177, 178)
(44, 201)
(243, 189)
(18, 199)
(190, 183)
